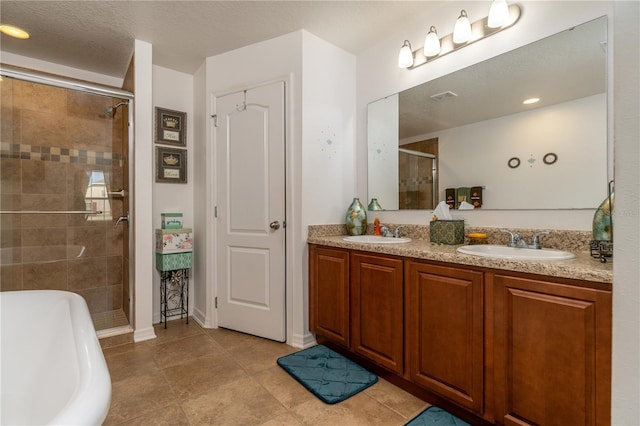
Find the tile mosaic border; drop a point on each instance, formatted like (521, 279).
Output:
(60, 155)
(415, 181)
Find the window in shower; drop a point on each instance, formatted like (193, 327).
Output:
(96, 198)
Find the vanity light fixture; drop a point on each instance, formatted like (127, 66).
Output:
(14, 32)
(431, 43)
(405, 58)
(530, 101)
(498, 14)
(462, 29)
(477, 30)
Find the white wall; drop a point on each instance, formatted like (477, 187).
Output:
(626, 217)
(383, 126)
(142, 193)
(328, 154)
(174, 90)
(379, 76)
(202, 298)
(576, 131)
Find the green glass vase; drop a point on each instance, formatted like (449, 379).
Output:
(356, 218)
(602, 221)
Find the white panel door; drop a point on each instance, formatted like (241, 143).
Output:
(250, 186)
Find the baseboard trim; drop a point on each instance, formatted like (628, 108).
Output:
(201, 318)
(303, 341)
(144, 334)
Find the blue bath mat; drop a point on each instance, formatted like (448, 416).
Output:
(433, 416)
(327, 374)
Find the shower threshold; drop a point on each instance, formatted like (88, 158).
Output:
(110, 320)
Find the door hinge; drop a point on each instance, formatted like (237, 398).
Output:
(215, 120)
(215, 211)
(216, 302)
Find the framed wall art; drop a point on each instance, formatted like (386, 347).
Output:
(171, 127)
(171, 165)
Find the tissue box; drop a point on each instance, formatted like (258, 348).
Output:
(171, 262)
(174, 240)
(171, 220)
(447, 231)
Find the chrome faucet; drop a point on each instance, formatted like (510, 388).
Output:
(535, 242)
(386, 232)
(517, 240)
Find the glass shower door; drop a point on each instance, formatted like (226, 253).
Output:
(64, 181)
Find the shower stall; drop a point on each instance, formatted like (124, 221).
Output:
(418, 180)
(65, 188)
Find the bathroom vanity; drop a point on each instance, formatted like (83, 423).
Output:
(499, 341)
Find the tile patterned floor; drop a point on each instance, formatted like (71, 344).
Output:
(109, 319)
(195, 376)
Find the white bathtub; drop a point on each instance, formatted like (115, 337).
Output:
(53, 370)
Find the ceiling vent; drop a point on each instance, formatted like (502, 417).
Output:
(444, 95)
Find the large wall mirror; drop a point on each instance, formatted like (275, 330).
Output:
(471, 129)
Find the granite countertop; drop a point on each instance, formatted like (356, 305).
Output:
(583, 267)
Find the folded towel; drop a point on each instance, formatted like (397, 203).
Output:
(463, 194)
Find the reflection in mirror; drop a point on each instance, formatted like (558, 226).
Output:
(551, 154)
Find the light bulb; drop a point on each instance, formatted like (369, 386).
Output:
(431, 43)
(462, 29)
(15, 32)
(405, 58)
(498, 14)
(531, 101)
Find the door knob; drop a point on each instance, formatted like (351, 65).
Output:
(274, 225)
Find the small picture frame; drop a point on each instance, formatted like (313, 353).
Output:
(171, 127)
(171, 165)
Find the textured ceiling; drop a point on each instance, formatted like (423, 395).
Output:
(98, 36)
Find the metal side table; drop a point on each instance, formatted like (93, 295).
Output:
(173, 260)
(174, 294)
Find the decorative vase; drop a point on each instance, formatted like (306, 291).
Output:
(374, 205)
(602, 222)
(356, 218)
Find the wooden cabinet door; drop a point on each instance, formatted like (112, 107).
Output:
(377, 309)
(329, 293)
(445, 331)
(552, 353)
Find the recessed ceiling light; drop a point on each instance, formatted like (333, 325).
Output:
(15, 32)
(530, 101)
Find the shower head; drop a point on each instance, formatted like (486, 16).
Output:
(111, 111)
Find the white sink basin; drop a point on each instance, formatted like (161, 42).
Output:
(514, 253)
(375, 239)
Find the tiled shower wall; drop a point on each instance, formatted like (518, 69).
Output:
(52, 139)
(416, 176)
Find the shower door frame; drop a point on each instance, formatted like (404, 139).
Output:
(100, 90)
(434, 170)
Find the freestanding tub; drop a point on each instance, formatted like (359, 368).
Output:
(53, 370)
